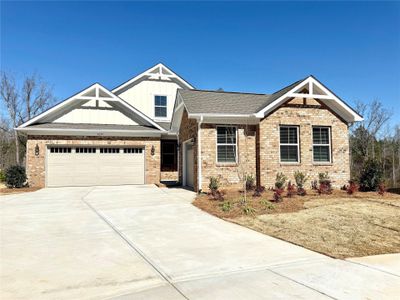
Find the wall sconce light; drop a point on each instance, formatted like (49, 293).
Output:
(153, 150)
(37, 150)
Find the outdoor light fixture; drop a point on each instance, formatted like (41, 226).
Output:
(153, 150)
(37, 150)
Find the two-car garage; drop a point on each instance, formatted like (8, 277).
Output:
(86, 166)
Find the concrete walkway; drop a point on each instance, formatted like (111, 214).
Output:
(142, 242)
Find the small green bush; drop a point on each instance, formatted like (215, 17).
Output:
(248, 210)
(371, 175)
(250, 182)
(300, 179)
(324, 178)
(15, 177)
(267, 204)
(2, 176)
(214, 184)
(280, 180)
(226, 206)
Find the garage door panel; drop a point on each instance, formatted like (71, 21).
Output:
(86, 169)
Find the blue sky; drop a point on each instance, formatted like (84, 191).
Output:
(352, 47)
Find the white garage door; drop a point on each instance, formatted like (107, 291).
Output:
(86, 166)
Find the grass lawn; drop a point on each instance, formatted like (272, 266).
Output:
(338, 225)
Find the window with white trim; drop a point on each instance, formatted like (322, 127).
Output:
(160, 106)
(321, 144)
(226, 144)
(289, 144)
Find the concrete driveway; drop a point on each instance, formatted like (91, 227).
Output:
(142, 242)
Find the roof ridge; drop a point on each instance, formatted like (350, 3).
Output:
(226, 92)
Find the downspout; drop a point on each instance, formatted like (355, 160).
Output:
(178, 158)
(199, 181)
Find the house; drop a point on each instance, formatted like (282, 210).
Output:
(157, 127)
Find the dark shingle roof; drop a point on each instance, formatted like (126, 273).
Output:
(92, 126)
(202, 101)
(198, 101)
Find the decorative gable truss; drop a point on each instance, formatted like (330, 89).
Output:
(311, 88)
(94, 105)
(158, 72)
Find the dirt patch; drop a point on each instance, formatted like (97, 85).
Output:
(7, 191)
(338, 225)
(234, 205)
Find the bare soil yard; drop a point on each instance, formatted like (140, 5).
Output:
(338, 225)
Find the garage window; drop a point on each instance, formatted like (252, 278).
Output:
(133, 150)
(85, 150)
(109, 150)
(60, 150)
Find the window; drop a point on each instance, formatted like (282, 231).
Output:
(169, 156)
(289, 143)
(321, 144)
(226, 144)
(60, 150)
(109, 150)
(133, 150)
(85, 150)
(160, 106)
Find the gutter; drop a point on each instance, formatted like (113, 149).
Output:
(93, 132)
(199, 177)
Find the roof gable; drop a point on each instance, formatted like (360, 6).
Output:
(310, 87)
(91, 106)
(157, 72)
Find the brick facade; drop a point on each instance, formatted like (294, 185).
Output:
(229, 174)
(305, 118)
(188, 130)
(36, 164)
(262, 156)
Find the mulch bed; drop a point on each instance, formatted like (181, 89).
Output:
(7, 191)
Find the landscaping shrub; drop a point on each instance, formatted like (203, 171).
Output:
(278, 194)
(267, 204)
(325, 186)
(352, 187)
(371, 175)
(279, 186)
(250, 182)
(280, 180)
(226, 206)
(381, 189)
(15, 177)
(2, 176)
(291, 190)
(301, 180)
(214, 183)
(248, 210)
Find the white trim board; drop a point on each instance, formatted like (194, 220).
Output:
(159, 70)
(83, 96)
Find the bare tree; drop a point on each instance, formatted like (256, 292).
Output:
(8, 92)
(22, 104)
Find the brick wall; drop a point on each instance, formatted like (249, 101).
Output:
(188, 130)
(36, 164)
(305, 118)
(229, 173)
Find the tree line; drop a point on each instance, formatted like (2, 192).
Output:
(371, 139)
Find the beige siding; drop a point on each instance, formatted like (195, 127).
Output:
(141, 96)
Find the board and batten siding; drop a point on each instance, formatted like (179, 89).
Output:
(141, 96)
